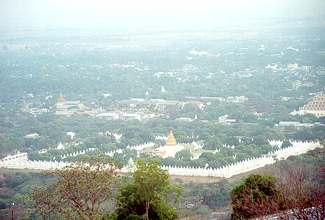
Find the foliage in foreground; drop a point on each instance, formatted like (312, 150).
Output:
(147, 193)
(257, 195)
(80, 192)
(86, 191)
(295, 194)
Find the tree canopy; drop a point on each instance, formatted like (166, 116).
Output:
(257, 195)
(145, 194)
(81, 191)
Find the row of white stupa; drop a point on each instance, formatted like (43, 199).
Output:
(20, 161)
(140, 147)
(77, 153)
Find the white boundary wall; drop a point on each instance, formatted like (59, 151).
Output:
(20, 161)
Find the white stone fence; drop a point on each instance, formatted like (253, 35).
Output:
(225, 171)
(298, 147)
(111, 153)
(164, 138)
(34, 165)
(278, 143)
(14, 157)
(20, 161)
(140, 147)
(77, 153)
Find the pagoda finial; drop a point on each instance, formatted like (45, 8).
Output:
(61, 98)
(171, 140)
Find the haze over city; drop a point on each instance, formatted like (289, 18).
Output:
(158, 110)
(142, 14)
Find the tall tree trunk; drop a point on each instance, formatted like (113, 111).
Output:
(146, 216)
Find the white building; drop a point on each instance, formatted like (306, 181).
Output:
(315, 107)
(69, 108)
(60, 146)
(32, 136)
(225, 120)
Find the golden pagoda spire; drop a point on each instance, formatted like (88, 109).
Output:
(171, 141)
(61, 98)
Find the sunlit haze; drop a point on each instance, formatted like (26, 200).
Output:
(159, 14)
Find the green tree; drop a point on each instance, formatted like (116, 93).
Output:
(147, 193)
(217, 195)
(257, 195)
(260, 140)
(286, 143)
(184, 155)
(79, 192)
(212, 143)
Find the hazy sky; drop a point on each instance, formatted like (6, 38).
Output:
(153, 13)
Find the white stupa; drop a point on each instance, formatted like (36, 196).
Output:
(163, 89)
(60, 146)
(171, 147)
